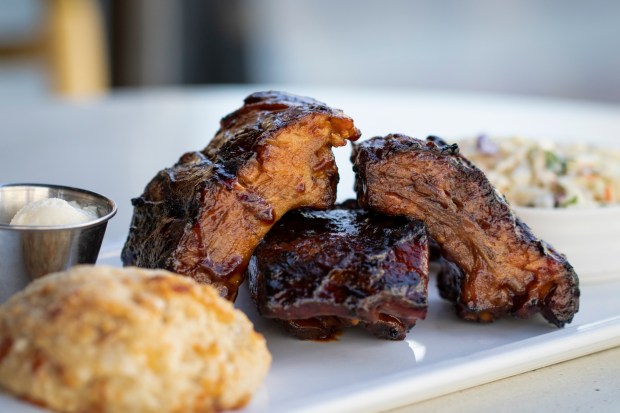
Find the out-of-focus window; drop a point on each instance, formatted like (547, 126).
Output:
(558, 48)
(554, 47)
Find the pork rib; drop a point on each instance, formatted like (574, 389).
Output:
(204, 216)
(504, 268)
(321, 271)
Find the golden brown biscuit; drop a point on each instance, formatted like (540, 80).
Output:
(105, 339)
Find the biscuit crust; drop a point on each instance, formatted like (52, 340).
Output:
(106, 339)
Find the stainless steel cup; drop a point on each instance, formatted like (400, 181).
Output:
(29, 252)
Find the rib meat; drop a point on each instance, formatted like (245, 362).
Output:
(321, 271)
(502, 268)
(204, 216)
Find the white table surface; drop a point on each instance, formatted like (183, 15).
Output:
(115, 145)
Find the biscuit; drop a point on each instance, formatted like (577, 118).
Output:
(105, 339)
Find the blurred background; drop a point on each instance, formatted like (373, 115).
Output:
(77, 48)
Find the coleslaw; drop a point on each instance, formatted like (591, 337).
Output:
(546, 174)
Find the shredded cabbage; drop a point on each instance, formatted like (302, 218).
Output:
(547, 174)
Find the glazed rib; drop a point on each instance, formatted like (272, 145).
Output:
(321, 271)
(204, 216)
(504, 268)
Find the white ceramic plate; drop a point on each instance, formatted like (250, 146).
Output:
(588, 237)
(442, 354)
(358, 373)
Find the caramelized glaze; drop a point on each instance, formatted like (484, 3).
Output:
(204, 216)
(321, 271)
(498, 266)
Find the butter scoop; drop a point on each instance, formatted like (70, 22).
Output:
(53, 211)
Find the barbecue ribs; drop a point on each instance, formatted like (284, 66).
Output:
(502, 267)
(204, 216)
(321, 271)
